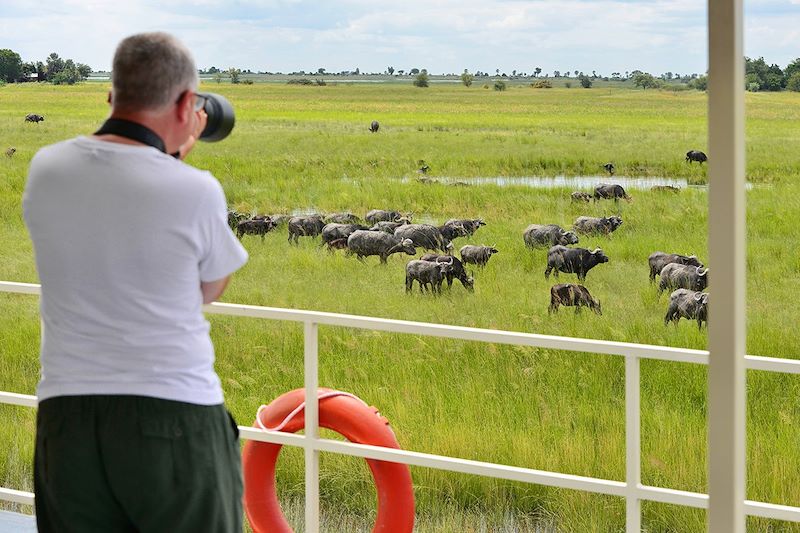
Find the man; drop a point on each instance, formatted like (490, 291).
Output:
(132, 433)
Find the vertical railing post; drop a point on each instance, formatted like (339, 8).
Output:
(633, 445)
(726, 243)
(311, 365)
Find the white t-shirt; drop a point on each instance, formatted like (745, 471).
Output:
(123, 236)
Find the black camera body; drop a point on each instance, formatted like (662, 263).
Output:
(221, 117)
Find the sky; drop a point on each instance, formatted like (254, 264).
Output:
(443, 36)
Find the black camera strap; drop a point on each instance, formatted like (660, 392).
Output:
(133, 131)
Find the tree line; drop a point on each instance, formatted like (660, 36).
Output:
(54, 69)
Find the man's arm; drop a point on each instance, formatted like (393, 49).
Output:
(212, 290)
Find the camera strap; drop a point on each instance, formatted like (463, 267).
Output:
(133, 131)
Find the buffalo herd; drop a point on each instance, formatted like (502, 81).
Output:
(383, 233)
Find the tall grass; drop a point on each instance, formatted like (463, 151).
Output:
(308, 148)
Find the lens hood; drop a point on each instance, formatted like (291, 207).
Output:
(220, 117)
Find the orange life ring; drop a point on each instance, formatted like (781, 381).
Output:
(347, 415)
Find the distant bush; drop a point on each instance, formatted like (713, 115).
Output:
(542, 84)
(301, 81)
(499, 85)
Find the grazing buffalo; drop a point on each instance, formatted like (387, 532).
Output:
(610, 192)
(426, 273)
(573, 261)
(538, 236)
(424, 236)
(658, 260)
(666, 188)
(677, 276)
(684, 303)
(477, 255)
(379, 215)
(33, 117)
(341, 218)
(579, 196)
(373, 127)
(570, 294)
(337, 232)
(696, 155)
(604, 226)
(471, 225)
(304, 226)
(254, 226)
(609, 168)
(458, 271)
(364, 243)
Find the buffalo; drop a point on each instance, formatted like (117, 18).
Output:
(477, 255)
(579, 196)
(605, 225)
(696, 155)
(254, 226)
(365, 243)
(570, 294)
(610, 192)
(458, 271)
(684, 303)
(573, 261)
(424, 236)
(426, 273)
(305, 226)
(33, 117)
(677, 276)
(658, 260)
(373, 127)
(538, 236)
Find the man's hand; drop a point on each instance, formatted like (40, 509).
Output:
(201, 118)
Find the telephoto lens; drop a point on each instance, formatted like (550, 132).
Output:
(220, 117)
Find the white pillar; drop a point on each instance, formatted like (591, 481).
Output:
(726, 225)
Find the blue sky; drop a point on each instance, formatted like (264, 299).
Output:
(442, 36)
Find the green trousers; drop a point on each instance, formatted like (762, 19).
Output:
(136, 464)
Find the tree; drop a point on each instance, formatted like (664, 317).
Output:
(421, 79)
(10, 65)
(466, 78)
(586, 81)
(794, 82)
(390, 70)
(645, 81)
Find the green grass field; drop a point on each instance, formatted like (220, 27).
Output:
(308, 148)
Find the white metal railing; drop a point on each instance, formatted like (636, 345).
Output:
(631, 489)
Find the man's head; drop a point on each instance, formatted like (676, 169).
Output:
(151, 71)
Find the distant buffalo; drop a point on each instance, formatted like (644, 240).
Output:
(684, 303)
(572, 295)
(33, 117)
(373, 127)
(696, 155)
(658, 260)
(604, 226)
(458, 272)
(544, 236)
(573, 261)
(305, 226)
(366, 243)
(610, 192)
(477, 255)
(677, 276)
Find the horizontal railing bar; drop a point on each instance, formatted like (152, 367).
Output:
(12, 398)
(17, 496)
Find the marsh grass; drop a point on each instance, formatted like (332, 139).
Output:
(309, 149)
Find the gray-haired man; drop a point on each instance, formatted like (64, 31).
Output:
(132, 433)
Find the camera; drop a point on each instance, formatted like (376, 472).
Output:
(221, 117)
